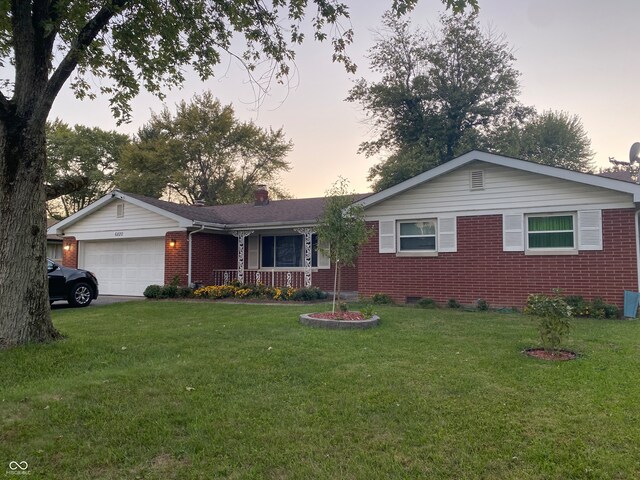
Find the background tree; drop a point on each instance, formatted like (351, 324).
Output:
(551, 138)
(120, 45)
(439, 95)
(81, 151)
(203, 152)
(343, 229)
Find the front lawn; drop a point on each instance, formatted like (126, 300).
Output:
(162, 390)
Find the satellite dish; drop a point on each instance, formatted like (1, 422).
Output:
(634, 153)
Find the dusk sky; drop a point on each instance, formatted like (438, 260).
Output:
(576, 56)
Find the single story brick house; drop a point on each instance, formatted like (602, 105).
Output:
(480, 226)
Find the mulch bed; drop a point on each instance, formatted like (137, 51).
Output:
(559, 356)
(345, 316)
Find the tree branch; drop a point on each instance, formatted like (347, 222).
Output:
(65, 186)
(68, 64)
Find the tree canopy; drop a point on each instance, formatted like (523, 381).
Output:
(445, 93)
(203, 152)
(439, 94)
(553, 138)
(81, 151)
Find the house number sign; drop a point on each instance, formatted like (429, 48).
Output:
(119, 234)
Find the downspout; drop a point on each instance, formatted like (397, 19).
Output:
(189, 283)
(638, 247)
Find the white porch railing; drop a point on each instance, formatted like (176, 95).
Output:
(270, 278)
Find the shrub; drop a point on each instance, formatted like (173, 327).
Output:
(453, 303)
(600, 309)
(553, 315)
(579, 307)
(169, 291)
(184, 292)
(343, 307)
(382, 299)
(152, 291)
(482, 305)
(307, 294)
(367, 311)
(426, 303)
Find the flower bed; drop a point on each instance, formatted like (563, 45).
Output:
(236, 291)
(341, 320)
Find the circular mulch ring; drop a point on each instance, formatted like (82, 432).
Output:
(559, 356)
(352, 320)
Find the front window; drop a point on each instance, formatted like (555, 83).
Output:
(286, 251)
(550, 232)
(418, 236)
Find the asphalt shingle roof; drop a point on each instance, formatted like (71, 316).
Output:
(303, 210)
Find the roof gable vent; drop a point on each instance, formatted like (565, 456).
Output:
(476, 179)
(120, 210)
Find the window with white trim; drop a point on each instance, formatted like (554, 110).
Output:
(286, 251)
(551, 232)
(417, 236)
(120, 210)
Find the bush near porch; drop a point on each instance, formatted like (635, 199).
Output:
(236, 290)
(209, 390)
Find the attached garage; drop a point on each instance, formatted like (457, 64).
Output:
(124, 267)
(121, 240)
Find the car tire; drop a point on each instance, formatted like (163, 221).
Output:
(81, 295)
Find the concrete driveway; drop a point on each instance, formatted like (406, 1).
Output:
(101, 300)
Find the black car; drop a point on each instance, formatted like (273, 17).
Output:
(76, 286)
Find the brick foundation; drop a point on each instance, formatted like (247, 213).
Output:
(480, 269)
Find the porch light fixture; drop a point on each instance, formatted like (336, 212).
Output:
(172, 243)
(67, 247)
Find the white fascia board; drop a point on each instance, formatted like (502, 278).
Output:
(59, 227)
(579, 177)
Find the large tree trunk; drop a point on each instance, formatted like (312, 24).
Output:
(25, 315)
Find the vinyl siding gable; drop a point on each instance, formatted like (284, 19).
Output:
(504, 189)
(134, 218)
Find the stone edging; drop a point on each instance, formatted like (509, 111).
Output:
(306, 319)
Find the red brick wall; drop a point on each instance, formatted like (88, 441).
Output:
(212, 252)
(176, 258)
(70, 256)
(480, 269)
(323, 279)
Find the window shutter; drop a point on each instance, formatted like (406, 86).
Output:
(323, 260)
(447, 234)
(387, 236)
(513, 232)
(590, 230)
(253, 250)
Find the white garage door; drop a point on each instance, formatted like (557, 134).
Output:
(124, 267)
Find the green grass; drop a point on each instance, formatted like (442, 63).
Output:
(162, 390)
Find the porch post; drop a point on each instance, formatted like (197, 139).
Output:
(241, 235)
(307, 232)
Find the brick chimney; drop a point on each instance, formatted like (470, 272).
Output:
(262, 195)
